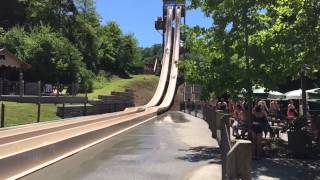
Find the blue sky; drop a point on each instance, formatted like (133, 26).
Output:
(138, 16)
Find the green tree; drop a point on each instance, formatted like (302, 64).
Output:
(84, 36)
(150, 54)
(253, 43)
(110, 36)
(55, 13)
(87, 10)
(53, 57)
(12, 12)
(129, 54)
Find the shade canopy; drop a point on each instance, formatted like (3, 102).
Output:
(297, 94)
(261, 92)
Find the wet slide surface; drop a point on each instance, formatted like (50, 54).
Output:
(27, 149)
(168, 147)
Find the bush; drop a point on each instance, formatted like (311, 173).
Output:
(53, 57)
(86, 80)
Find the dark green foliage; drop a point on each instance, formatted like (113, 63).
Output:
(253, 43)
(55, 13)
(12, 12)
(150, 54)
(117, 52)
(64, 41)
(53, 57)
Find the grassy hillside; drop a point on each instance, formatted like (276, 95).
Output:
(104, 87)
(143, 85)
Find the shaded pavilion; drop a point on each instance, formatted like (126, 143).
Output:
(10, 63)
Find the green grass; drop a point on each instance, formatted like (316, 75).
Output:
(18, 113)
(104, 87)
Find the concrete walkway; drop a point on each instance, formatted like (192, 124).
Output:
(291, 169)
(173, 146)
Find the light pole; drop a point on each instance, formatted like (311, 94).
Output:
(303, 89)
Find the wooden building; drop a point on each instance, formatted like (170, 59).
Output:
(9, 62)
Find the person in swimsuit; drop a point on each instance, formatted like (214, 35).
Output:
(222, 105)
(239, 122)
(291, 112)
(258, 119)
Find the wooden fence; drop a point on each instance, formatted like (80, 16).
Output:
(236, 156)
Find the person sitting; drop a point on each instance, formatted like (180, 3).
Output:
(48, 89)
(239, 122)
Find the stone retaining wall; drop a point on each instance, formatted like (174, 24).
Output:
(118, 101)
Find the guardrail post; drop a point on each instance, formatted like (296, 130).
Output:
(21, 93)
(38, 113)
(85, 103)
(1, 87)
(205, 111)
(63, 110)
(196, 110)
(239, 160)
(73, 89)
(2, 115)
(39, 104)
(225, 144)
(21, 88)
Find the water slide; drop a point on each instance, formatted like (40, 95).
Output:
(174, 65)
(43, 128)
(165, 62)
(26, 149)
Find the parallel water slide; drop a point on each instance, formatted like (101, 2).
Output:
(26, 149)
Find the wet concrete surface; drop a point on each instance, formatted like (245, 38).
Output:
(172, 146)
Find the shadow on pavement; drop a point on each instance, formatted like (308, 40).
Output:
(286, 169)
(201, 153)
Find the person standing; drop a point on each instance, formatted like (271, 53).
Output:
(222, 105)
(291, 111)
(258, 119)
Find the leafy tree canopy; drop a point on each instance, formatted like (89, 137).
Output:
(253, 43)
(65, 41)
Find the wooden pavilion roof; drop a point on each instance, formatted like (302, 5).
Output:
(7, 59)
